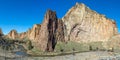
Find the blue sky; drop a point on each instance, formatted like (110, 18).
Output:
(23, 14)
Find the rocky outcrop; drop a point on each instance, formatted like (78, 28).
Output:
(1, 33)
(47, 36)
(60, 31)
(34, 32)
(13, 34)
(114, 42)
(31, 34)
(23, 35)
(84, 25)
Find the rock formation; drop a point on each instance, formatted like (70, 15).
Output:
(80, 24)
(114, 42)
(23, 35)
(47, 36)
(34, 32)
(60, 31)
(1, 33)
(84, 25)
(13, 34)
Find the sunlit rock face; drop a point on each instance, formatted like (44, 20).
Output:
(114, 42)
(22, 35)
(34, 32)
(60, 31)
(84, 25)
(31, 34)
(12, 34)
(46, 40)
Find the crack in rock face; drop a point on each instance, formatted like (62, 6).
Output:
(84, 24)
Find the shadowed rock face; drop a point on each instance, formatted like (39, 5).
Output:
(1, 33)
(47, 37)
(84, 25)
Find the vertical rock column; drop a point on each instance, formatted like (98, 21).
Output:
(47, 37)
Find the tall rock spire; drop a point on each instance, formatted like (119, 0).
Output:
(47, 37)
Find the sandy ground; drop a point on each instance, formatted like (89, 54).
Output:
(97, 55)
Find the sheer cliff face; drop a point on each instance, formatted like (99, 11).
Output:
(60, 31)
(83, 25)
(47, 36)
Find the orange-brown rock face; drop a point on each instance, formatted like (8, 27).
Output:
(34, 32)
(84, 25)
(22, 35)
(114, 42)
(46, 40)
(60, 31)
(12, 34)
(31, 33)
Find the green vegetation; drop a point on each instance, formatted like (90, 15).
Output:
(7, 44)
(113, 44)
(81, 47)
(96, 46)
(29, 45)
(70, 47)
(63, 48)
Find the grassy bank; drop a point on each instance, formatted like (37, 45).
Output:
(63, 48)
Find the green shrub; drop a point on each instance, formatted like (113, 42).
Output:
(71, 46)
(29, 44)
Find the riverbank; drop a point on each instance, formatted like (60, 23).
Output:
(93, 55)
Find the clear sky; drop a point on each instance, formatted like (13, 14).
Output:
(23, 14)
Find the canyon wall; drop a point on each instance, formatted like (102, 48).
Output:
(85, 25)
(47, 37)
(80, 24)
